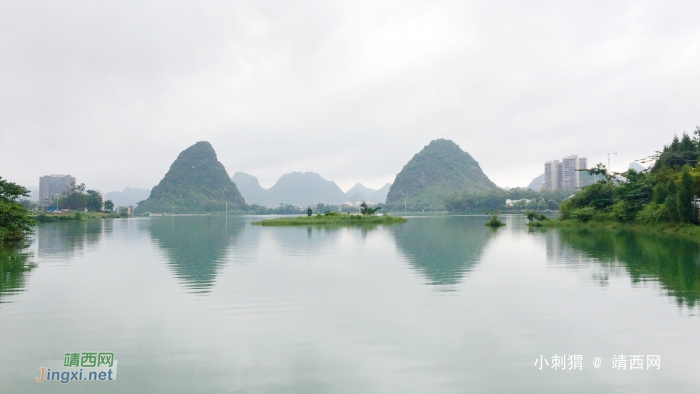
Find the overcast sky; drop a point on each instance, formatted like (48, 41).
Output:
(112, 91)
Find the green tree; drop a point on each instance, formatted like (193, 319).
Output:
(365, 209)
(309, 211)
(15, 219)
(109, 205)
(94, 201)
(672, 201)
(687, 213)
(76, 199)
(678, 154)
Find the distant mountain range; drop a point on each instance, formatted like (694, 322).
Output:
(305, 188)
(360, 192)
(128, 196)
(535, 184)
(637, 167)
(441, 169)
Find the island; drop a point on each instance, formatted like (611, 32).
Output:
(332, 219)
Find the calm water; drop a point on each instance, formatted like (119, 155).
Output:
(437, 305)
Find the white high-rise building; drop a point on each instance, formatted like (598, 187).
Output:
(570, 173)
(564, 174)
(552, 175)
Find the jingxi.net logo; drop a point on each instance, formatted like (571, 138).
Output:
(80, 367)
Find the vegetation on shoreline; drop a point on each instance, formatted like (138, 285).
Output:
(332, 219)
(15, 219)
(466, 202)
(80, 199)
(289, 209)
(661, 195)
(79, 216)
(682, 230)
(536, 219)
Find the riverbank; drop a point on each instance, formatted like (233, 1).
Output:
(688, 231)
(331, 220)
(80, 216)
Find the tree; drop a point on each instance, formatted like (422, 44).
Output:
(687, 213)
(365, 209)
(76, 199)
(15, 219)
(109, 205)
(94, 201)
(309, 211)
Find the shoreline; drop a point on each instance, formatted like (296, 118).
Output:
(688, 231)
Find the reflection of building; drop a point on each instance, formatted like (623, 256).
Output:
(52, 186)
(564, 174)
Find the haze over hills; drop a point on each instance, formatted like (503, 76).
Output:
(637, 167)
(196, 182)
(360, 192)
(437, 171)
(306, 188)
(127, 197)
(299, 188)
(250, 188)
(535, 184)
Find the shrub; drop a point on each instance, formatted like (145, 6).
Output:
(654, 213)
(493, 220)
(582, 214)
(623, 211)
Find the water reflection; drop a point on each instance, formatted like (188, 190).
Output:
(672, 262)
(195, 245)
(444, 249)
(15, 262)
(64, 238)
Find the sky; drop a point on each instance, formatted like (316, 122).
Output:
(112, 91)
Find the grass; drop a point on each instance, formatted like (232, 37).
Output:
(45, 217)
(332, 220)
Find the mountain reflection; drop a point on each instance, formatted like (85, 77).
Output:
(195, 245)
(671, 261)
(444, 249)
(15, 262)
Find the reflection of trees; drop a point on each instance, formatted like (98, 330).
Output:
(444, 249)
(67, 237)
(196, 245)
(15, 262)
(672, 262)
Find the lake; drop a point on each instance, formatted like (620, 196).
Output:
(212, 304)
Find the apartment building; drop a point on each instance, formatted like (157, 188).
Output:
(52, 186)
(564, 174)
